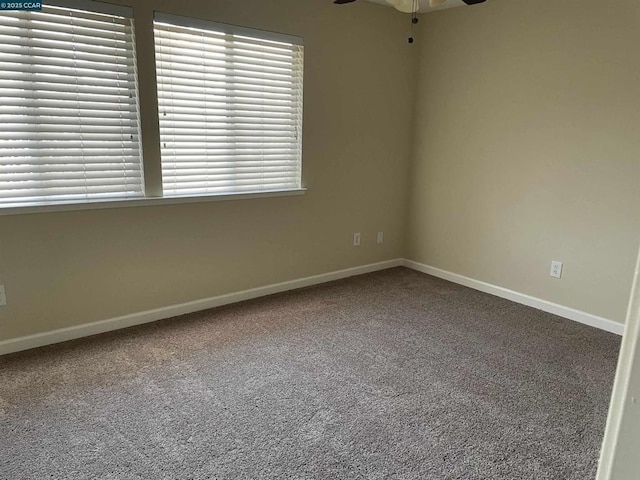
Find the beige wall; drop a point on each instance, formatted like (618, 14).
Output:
(528, 150)
(64, 269)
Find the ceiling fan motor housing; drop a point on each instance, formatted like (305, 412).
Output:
(409, 6)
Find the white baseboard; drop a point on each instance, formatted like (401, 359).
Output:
(71, 333)
(544, 305)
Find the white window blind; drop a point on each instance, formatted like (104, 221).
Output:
(69, 127)
(230, 105)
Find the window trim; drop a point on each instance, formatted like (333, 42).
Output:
(204, 25)
(145, 202)
(85, 11)
(150, 162)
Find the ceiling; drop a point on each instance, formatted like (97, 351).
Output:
(424, 5)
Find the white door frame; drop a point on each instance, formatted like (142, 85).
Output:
(620, 455)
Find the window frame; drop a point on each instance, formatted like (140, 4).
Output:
(257, 35)
(149, 141)
(74, 165)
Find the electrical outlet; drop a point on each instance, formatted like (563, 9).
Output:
(3, 296)
(356, 239)
(556, 269)
(380, 238)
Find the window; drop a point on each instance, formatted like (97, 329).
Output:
(230, 105)
(229, 100)
(68, 109)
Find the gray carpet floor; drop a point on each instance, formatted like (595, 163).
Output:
(394, 375)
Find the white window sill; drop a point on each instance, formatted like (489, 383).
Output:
(143, 202)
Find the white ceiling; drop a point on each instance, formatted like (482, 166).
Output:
(424, 5)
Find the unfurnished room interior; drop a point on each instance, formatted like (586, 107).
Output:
(317, 239)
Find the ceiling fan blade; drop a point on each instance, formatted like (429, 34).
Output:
(473, 2)
(436, 3)
(342, 2)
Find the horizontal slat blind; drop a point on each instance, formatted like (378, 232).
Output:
(230, 105)
(69, 129)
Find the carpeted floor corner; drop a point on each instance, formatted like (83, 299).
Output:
(391, 375)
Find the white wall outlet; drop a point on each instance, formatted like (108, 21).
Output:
(380, 238)
(556, 269)
(356, 239)
(3, 296)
